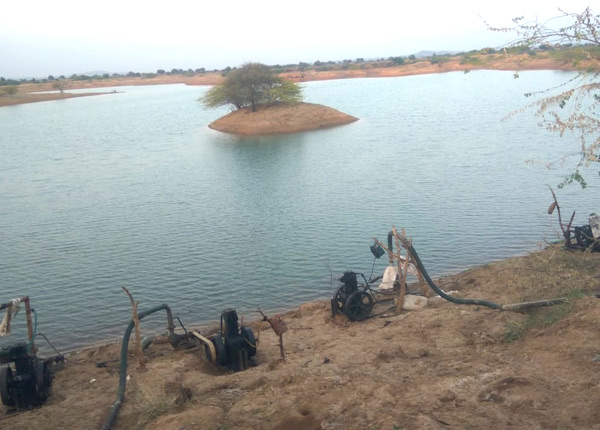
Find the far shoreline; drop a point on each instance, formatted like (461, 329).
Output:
(501, 63)
(24, 98)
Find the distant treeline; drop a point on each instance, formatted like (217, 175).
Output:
(563, 53)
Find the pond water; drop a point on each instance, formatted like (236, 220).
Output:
(133, 189)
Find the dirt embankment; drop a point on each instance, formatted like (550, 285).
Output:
(281, 118)
(444, 367)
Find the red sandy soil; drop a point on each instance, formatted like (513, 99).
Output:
(281, 118)
(446, 366)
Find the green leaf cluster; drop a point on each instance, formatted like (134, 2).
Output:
(252, 85)
(570, 109)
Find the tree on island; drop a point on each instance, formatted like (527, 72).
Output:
(252, 85)
(574, 105)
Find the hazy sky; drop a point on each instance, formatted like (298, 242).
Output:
(38, 38)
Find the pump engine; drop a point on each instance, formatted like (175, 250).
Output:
(234, 346)
(588, 236)
(25, 379)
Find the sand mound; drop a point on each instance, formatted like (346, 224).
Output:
(281, 118)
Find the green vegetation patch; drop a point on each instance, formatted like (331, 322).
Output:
(469, 59)
(539, 318)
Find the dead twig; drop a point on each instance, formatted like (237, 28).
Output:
(279, 327)
(401, 270)
(138, 337)
(403, 264)
(566, 232)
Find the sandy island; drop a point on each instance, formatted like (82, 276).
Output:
(446, 366)
(281, 118)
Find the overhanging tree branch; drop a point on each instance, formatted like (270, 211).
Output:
(575, 107)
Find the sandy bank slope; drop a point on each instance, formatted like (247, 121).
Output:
(281, 118)
(444, 367)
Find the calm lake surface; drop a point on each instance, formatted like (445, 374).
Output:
(133, 189)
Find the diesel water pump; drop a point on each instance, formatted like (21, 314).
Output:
(233, 347)
(25, 379)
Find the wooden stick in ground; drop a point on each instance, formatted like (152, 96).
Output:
(398, 258)
(138, 337)
(422, 285)
(401, 272)
(406, 263)
(411, 260)
(566, 232)
(281, 350)
(279, 327)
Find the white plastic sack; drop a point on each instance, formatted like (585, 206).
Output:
(10, 313)
(389, 277)
(595, 225)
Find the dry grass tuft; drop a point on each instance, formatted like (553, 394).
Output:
(553, 272)
(152, 403)
(516, 329)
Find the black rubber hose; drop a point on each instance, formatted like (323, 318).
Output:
(507, 307)
(441, 292)
(390, 242)
(123, 369)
